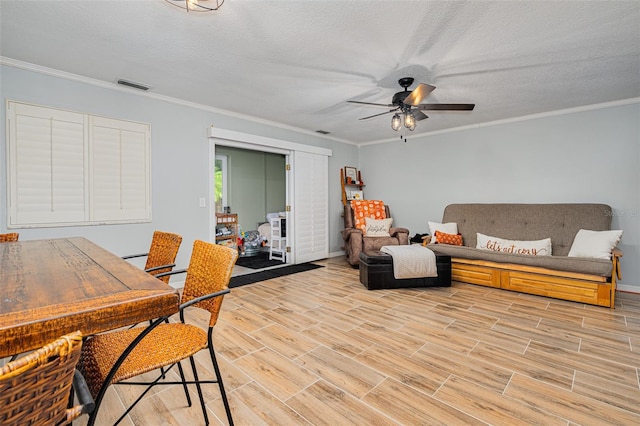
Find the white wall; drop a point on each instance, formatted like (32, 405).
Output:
(179, 155)
(587, 156)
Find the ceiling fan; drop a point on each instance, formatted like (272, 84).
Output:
(408, 104)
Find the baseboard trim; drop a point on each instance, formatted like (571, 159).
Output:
(628, 288)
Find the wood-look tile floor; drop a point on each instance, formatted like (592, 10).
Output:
(317, 348)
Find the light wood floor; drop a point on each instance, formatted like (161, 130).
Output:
(317, 348)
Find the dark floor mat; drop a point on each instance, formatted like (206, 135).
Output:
(261, 260)
(255, 277)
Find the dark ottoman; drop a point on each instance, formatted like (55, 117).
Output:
(376, 272)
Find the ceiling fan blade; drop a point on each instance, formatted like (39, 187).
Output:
(376, 115)
(418, 94)
(419, 115)
(371, 103)
(445, 107)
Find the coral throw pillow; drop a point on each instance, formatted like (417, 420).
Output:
(362, 209)
(451, 239)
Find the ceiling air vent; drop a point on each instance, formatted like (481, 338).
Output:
(133, 84)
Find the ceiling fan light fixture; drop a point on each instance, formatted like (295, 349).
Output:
(197, 5)
(409, 120)
(396, 122)
(403, 102)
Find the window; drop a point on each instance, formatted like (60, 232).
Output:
(68, 168)
(221, 182)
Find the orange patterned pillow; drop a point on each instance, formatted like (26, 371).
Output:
(451, 239)
(373, 209)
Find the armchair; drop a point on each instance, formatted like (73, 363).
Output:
(355, 241)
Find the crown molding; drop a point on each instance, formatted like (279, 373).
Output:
(14, 63)
(558, 112)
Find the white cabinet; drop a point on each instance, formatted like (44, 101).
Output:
(278, 241)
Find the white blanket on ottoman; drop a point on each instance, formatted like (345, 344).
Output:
(413, 261)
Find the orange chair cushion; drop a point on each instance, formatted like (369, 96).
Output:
(451, 239)
(373, 209)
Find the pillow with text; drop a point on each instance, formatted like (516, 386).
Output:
(377, 227)
(527, 248)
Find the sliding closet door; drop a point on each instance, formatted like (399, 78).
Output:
(310, 206)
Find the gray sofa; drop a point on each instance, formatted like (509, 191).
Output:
(586, 280)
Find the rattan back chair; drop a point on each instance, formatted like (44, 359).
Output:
(114, 357)
(9, 238)
(161, 255)
(35, 389)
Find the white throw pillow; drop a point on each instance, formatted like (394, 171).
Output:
(446, 228)
(596, 244)
(528, 248)
(377, 227)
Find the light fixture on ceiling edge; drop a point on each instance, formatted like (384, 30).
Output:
(197, 5)
(133, 84)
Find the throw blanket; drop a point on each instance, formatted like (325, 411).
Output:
(413, 261)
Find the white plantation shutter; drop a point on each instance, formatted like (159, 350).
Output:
(53, 179)
(311, 206)
(119, 166)
(48, 180)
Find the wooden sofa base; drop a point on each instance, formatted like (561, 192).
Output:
(575, 287)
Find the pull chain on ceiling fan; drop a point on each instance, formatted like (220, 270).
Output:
(408, 108)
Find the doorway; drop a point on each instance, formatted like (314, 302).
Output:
(252, 184)
(306, 176)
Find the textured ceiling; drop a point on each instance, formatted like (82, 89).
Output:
(298, 62)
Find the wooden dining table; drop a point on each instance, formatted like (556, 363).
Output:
(52, 287)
